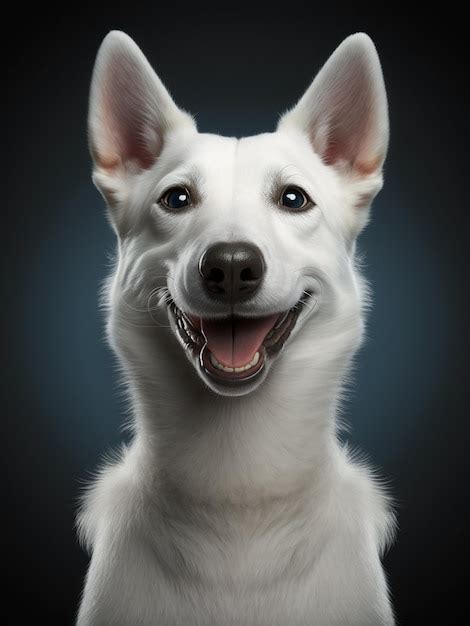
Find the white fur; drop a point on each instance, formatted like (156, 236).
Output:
(236, 510)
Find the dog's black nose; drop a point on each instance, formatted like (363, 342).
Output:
(232, 271)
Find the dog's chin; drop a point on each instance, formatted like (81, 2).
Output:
(199, 337)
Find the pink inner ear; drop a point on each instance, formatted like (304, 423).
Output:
(350, 139)
(366, 168)
(345, 109)
(332, 153)
(353, 149)
(351, 124)
(125, 133)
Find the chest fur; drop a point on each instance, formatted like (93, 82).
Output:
(298, 561)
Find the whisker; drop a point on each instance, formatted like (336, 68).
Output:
(133, 308)
(299, 269)
(162, 288)
(303, 303)
(149, 309)
(125, 321)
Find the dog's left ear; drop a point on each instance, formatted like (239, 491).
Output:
(344, 111)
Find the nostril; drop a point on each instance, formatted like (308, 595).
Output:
(248, 274)
(216, 274)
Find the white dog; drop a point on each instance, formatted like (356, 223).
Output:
(235, 309)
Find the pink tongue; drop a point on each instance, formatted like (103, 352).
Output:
(235, 341)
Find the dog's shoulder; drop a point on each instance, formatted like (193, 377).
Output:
(363, 497)
(112, 501)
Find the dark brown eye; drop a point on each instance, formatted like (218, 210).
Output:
(176, 198)
(294, 199)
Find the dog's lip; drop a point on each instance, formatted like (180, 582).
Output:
(188, 327)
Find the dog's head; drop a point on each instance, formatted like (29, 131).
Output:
(237, 248)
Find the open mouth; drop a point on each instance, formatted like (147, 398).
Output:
(235, 349)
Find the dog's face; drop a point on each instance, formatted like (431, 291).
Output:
(245, 245)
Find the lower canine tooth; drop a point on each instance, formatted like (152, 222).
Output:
(214, 362)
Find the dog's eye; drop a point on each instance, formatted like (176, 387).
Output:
(294, 199)
(176, 198)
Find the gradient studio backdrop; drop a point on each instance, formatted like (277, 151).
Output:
(236, 72)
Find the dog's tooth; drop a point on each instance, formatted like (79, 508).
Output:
(278, 325)
(254, 360)
(187, 322)
(237, 370)
(218, 365)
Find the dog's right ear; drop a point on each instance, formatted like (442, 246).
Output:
(130, 115)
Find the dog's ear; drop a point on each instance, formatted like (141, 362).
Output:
(130, 113)
(344, 111)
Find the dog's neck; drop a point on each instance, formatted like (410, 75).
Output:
(246, 450)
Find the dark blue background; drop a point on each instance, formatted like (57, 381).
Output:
(236, 72)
